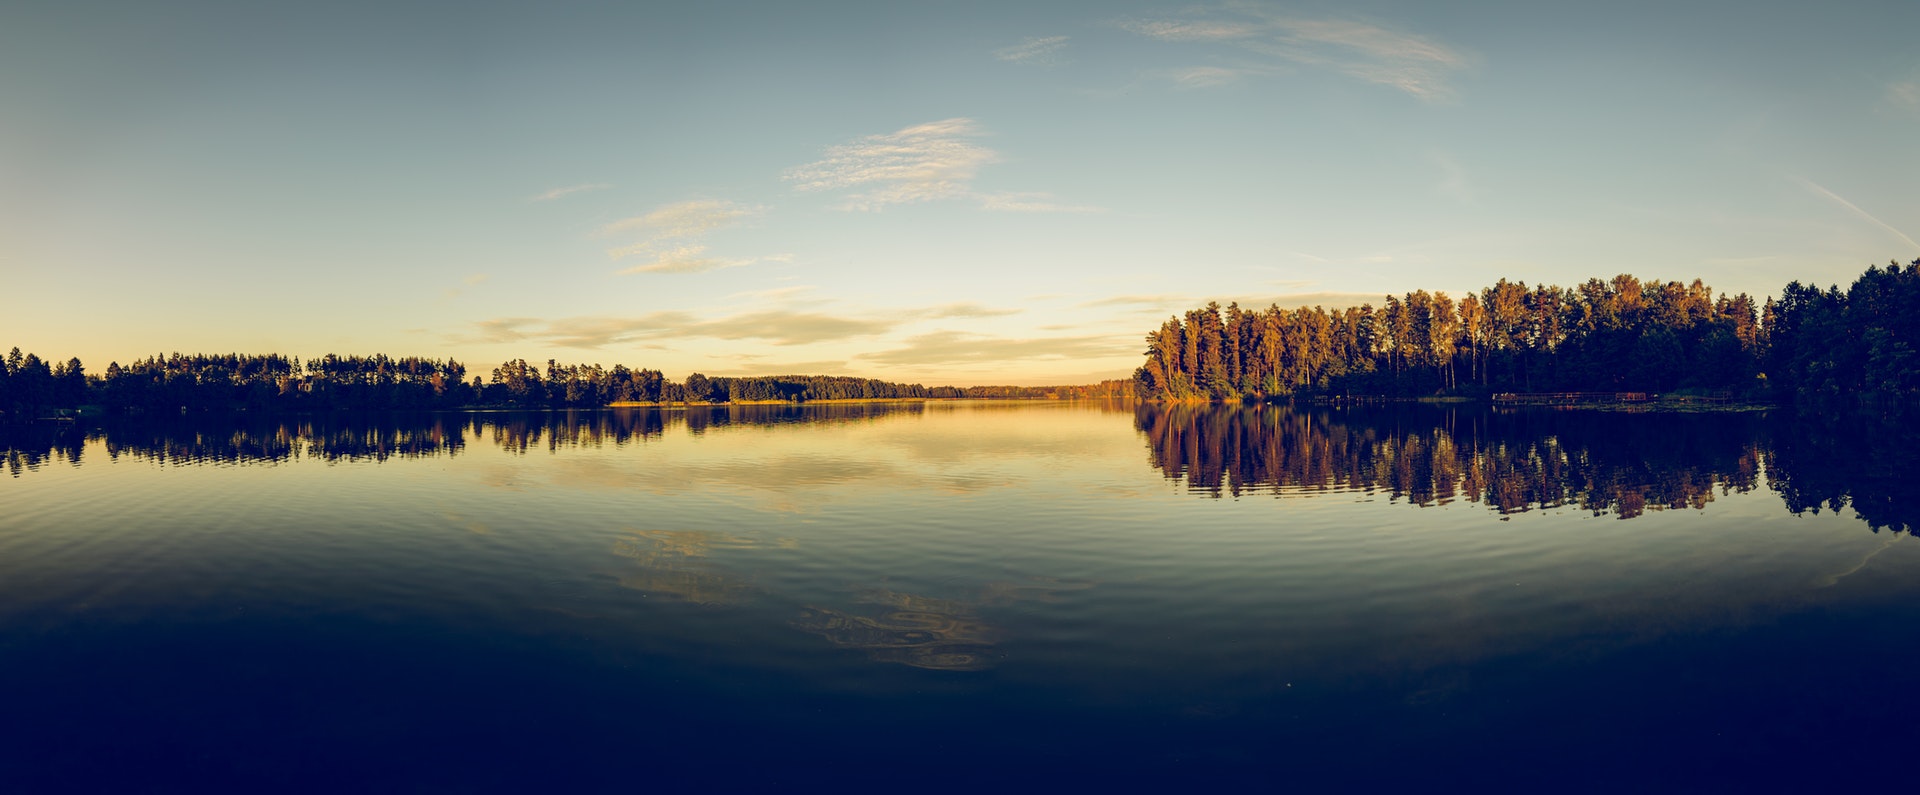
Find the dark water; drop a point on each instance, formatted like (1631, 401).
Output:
(959, 596)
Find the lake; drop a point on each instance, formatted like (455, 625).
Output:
(957, 596)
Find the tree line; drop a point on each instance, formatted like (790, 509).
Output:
(31, 387)
(1622, 334)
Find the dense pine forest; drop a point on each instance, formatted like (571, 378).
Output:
(1618, 335)
(31, 387)
(1808, 345)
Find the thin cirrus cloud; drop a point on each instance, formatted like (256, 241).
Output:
(954, 347)
(1210, 76)
(567, 191)
(1010, 202)
(468, 283)
(1855, 209)
(685, 219)
(1138, 302)
(926, 162)
(966, 309)
(693, 259)
(1034, 51)
(775, 326)
(672, 237)
(1415, 64)
(1905, 94)
(1145, 304)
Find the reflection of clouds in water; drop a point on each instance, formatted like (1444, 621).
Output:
(503, 477)
(673, 563)
(1036, 589)
(473, 526)
(786, 484)
(1834, 579)
(1067, 435)
(926, 632)
(681, 477)
(897, 449)
(914, 630)
(890, 626)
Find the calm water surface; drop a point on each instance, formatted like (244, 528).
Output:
(956, 596)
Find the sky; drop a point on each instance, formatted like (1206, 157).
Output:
(943, 193)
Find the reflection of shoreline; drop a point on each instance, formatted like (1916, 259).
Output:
(1606, 464)
(245, 439)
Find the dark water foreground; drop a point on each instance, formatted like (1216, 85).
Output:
(957, 597)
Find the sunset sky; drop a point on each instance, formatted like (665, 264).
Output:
(961, 193)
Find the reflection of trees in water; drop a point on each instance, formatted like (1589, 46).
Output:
(1864, 463)
(519, 432)
(29, 447)
(1603, 463)
(246, 440)
(242, 438)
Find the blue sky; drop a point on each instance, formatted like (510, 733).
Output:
(939, 192)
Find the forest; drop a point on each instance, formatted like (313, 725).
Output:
(1807, 346)
(31, 387)
(1617, 335)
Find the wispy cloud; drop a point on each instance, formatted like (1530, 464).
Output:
(926, 162)
(672, 237)
(1454, 184)
(1154, 302)
(758, 368)
(1855, 209)
(967, 309)
(1209, 76)
(1328, 301)
(936, 160)
(468, 283)
(1905, 94)
(559, 192)
(1030, 203)
(1035, 51)
(1415, 64)
(685, 219)
(782, 327)
(776, 293)
(693, 259)
(953, 347)
(1196, 30)
(779, 327)
(1160, 304)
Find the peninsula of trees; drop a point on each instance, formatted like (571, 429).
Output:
(1618, 335)
(31, 387)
